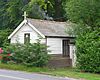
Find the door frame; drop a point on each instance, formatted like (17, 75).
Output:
(65, 48)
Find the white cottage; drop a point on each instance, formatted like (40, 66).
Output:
(52, 33)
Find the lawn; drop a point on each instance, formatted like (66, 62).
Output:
(64, 72)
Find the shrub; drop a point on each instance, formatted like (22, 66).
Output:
(88, 51)
(30, 54)
(4, 56)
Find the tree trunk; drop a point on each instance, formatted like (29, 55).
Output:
(58, 10)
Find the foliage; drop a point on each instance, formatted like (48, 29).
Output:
(4, 56)
(14, 12)
(88, 51)
(4, 37)
(35, 9)
(11, 11)
(85, 14)
(58, 10)
(46, 9)
(29, 54)
(87, 11)
(3, 18)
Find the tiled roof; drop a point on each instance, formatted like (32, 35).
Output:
(50, 28)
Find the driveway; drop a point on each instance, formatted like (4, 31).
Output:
(18, 75)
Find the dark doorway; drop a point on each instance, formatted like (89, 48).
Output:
(27, 38)
(66, 48)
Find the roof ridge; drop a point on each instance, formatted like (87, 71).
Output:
(46, 20)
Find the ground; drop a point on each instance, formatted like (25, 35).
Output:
(60, 72)
(18, 75)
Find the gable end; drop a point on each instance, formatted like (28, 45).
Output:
(18, 28)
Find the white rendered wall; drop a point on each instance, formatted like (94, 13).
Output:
(55, 45)
(19, 36)
(72, 54)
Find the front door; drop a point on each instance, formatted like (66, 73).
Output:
(66, 48)
(27, 38)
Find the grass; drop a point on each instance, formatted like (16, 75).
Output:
(64, 72)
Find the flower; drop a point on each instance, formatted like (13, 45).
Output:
(9, 54)
(1, 51)
(0, 57)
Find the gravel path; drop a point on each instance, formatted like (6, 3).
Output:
(18, 75)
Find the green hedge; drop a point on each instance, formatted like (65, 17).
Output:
(29, 54)
(88, 51)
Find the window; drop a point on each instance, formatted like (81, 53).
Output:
(27, 38)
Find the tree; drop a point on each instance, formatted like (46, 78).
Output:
(58, 9)
(3, 37)
(85, 14)
(88, 50)
(11, 11)
(3, 17)
(46, 9)
(35, 9)
(87, 11)
(15, 11)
